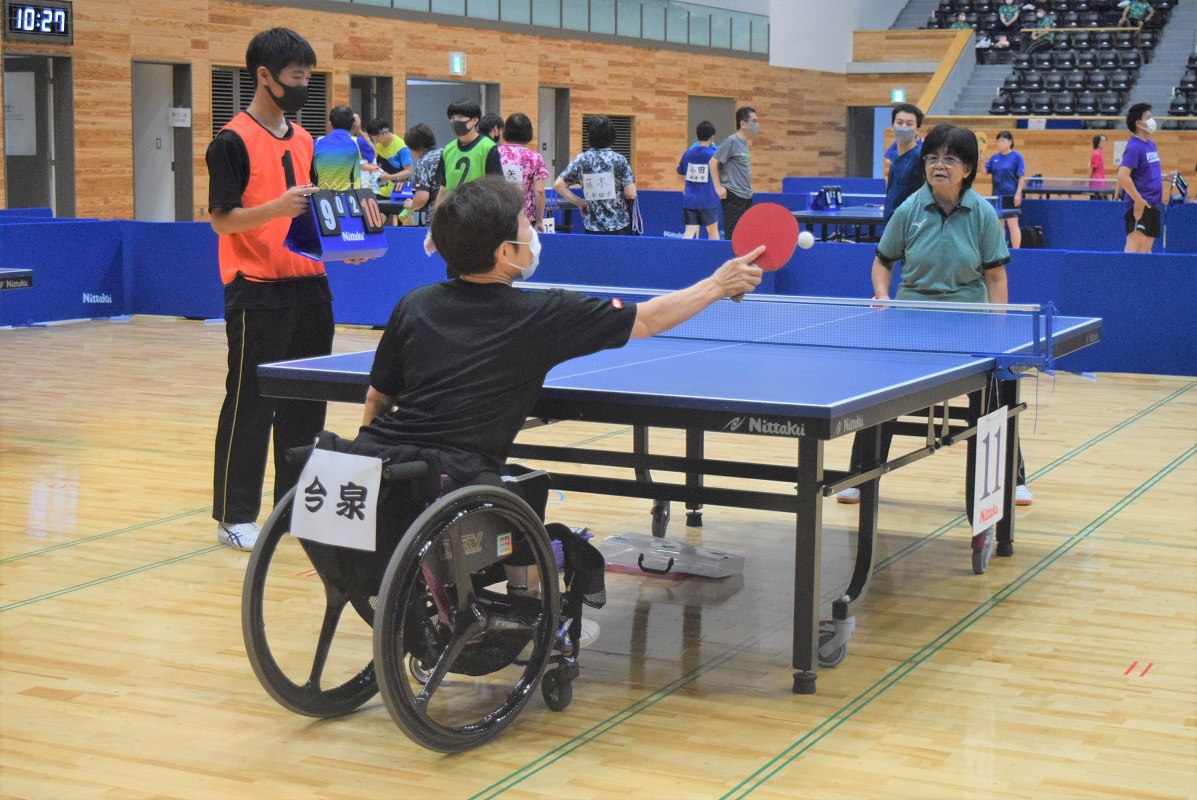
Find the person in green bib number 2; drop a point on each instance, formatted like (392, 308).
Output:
(468, 157)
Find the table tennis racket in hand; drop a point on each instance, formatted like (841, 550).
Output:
(767, 224)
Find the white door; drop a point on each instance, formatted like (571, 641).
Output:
(153, 143)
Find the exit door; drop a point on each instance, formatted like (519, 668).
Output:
(39, 129)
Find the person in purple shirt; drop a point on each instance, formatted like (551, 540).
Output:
(1141, 180)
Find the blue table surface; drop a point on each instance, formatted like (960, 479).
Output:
(819, 381)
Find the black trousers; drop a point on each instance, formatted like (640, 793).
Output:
(734, 207)
(887, 438)
(259, 336)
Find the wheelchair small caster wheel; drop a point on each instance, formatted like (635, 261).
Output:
(557, 689)
(834, 657)
(417, 669)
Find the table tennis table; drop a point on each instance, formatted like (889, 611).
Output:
(16, 278)
(1095, 188)
(807, 369)
(868, 216)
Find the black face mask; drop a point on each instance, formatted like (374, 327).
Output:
(460, 128)
(294, 97)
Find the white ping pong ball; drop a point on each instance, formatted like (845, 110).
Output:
(806, 239)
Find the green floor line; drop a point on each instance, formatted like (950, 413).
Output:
(99, 536)
(1050, 466)
(820, 732)
(109, 578)
(574, 743)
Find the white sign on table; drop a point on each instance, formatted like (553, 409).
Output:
(989, 495)
(336, 500)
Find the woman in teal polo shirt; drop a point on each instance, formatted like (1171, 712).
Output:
(947, 236)
(950, 242)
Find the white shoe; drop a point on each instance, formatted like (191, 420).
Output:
(240, 535)
(590, 632)
(849, 496)
(1023, 496)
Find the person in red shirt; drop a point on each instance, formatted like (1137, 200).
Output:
(277, 304)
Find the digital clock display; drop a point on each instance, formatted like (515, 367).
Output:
(39, 21)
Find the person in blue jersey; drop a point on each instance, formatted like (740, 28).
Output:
(336, 156)
(1009, 173)
(700, 174)
(906, 165)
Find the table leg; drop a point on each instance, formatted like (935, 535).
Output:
(808, 544)
(695, 449)
(1008, 396)
(660, 509)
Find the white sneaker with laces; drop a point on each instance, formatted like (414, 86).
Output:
(1023, 496)
(850, 496)
(239, 535)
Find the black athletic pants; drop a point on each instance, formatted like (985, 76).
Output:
(734, 207)
(258, 336)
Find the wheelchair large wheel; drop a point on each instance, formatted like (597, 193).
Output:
(307, 655)
(457, 659)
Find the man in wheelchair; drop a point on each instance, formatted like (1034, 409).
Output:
(455, 375)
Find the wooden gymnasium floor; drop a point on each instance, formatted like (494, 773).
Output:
(1068, 671)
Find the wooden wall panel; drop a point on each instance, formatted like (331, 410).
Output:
(890, 46)
(1065, 153)
(801, 112)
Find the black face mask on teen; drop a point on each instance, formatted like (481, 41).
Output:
(460, 128)
(293, 98)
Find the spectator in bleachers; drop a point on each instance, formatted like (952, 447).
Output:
(1097, 160)
(1041, 36)
(1009, 173)
(961, 22)
(1141, 180)
(1009, 23)
(906, 166)
(1136, 12)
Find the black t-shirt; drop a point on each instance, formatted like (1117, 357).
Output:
(466, 363)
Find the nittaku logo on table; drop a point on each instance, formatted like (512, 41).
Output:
(768, 427)
(88, 297)
(849, 424)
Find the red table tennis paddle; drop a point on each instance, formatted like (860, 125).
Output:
(767, 224)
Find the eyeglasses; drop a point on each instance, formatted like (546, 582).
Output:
(948, 161)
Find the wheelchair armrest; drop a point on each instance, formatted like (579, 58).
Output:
(391, 473)
(299, 455)
(410, 470)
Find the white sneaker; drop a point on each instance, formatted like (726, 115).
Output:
(240, 535)
(1023, 496)
(590, 632)
(849, 496)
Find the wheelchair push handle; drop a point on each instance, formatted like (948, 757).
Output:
(391, 473)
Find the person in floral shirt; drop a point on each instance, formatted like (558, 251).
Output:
(524, 166)
(606, 180)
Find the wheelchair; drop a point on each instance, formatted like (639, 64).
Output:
(455, 658)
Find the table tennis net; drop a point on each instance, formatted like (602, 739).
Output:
(967, 328)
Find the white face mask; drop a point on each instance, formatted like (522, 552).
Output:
(533, 245)
(904, 135)
(1149, 124)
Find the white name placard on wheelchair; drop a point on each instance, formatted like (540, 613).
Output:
(336, 500)
(989, 495)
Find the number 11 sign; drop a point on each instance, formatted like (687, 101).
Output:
(989, 493)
